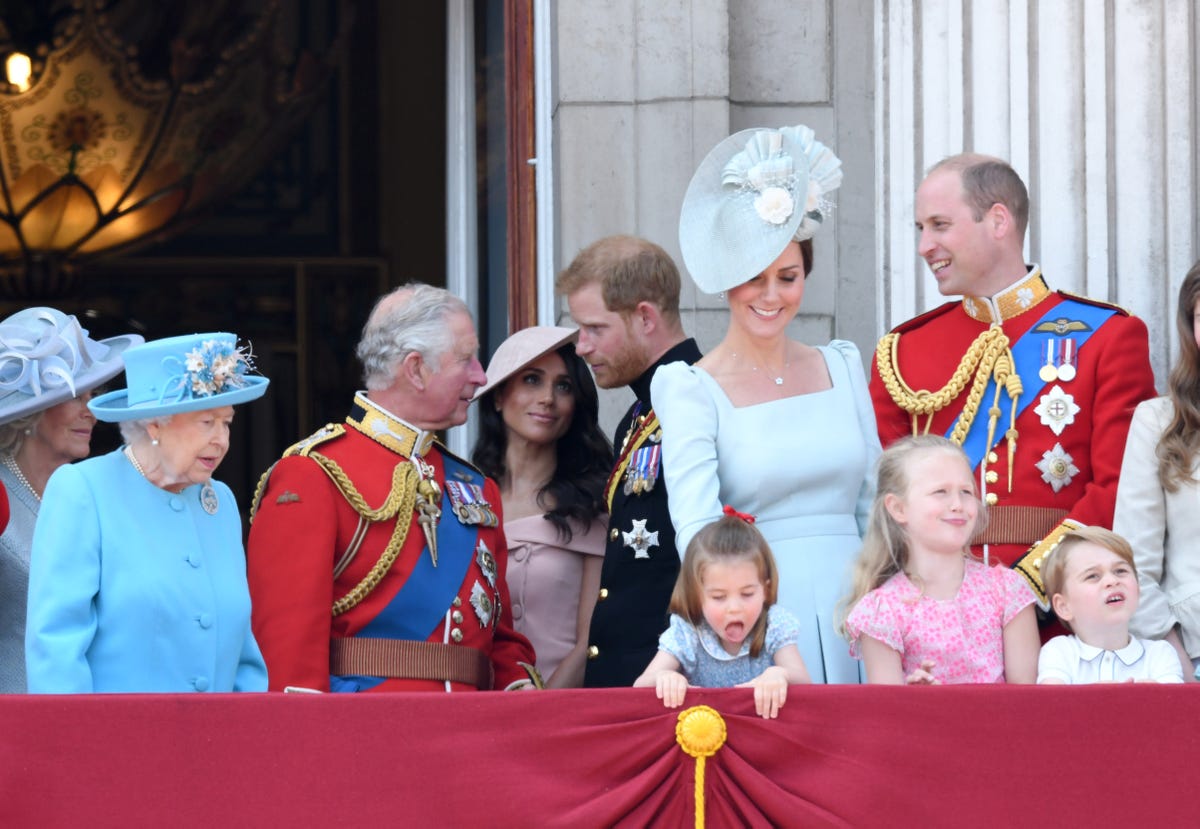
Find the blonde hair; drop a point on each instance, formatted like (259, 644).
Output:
(13, 433)
(1054, 567)
(885, 549)
(727, 540)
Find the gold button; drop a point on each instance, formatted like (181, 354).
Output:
(613, 533)
(456, 634)
(992, 498)
(993, 457)
(992, 476)
(593, 651)
(603, 593)
(456, 617)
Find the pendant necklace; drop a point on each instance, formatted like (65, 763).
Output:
(778, 379)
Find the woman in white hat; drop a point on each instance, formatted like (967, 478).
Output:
(776, 428)
(138, 578)
(539, 439)
(49, 369)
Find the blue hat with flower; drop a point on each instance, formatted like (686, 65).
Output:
(47, 358)
(182, 374)
(754, 193)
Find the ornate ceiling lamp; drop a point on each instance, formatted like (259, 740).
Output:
(133, 117)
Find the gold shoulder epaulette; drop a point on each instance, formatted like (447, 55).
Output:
(1100, 302)
(326, 433)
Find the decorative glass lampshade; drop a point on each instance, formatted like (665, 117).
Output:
(136, 117)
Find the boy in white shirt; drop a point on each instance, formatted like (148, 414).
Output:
(1092, 581)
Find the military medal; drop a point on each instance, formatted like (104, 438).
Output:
(469, 504)
(1057, 467)
(643, 469)
(639, 540)
(486, 562)
(481, 603)
(1066, 371)
(1049, 370)
(1057, 410)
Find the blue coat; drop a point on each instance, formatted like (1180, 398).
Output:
(135, 589)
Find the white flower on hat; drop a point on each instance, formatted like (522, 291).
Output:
(774, 205)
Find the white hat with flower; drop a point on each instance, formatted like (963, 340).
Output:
(182, 374)
(754, 193)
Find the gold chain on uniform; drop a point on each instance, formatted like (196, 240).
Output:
(400, 501)
(988, 356)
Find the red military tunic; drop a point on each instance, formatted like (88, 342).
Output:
(304, 525)
(1078, 479)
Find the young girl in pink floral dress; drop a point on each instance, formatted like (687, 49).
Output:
(923, 611)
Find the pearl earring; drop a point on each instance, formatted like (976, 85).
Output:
(154, 441)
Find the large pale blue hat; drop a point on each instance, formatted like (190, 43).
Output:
(754, 193)
(182, 374)
(47, 358)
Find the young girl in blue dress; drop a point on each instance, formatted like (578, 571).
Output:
(726, 630)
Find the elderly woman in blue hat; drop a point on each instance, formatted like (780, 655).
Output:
(138, 578)
(765, 423)
(49, 370)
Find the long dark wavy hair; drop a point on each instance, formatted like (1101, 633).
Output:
(1180, 441)
(583, 459)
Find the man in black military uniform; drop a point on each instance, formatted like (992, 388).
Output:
(623, 293)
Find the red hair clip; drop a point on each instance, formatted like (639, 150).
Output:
(745, 516)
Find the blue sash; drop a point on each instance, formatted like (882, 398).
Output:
(422, 602)
(1027, 355)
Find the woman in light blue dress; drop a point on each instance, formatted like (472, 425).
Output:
(771, 426)
(137, 581)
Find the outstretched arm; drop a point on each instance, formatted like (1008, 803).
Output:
(685, 409)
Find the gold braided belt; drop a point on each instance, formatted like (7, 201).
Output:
(988, 357)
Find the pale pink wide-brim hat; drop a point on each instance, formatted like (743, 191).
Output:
(521, 349)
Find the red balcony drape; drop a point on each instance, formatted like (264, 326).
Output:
(869, 756)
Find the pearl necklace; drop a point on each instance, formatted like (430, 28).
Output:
(133, 460)
(11, 463)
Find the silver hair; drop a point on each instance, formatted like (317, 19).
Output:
(133, 431)
(410, 319)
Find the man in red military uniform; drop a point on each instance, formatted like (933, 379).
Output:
(1037, 386)
(376, 558)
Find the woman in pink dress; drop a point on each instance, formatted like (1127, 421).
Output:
(539, 439)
